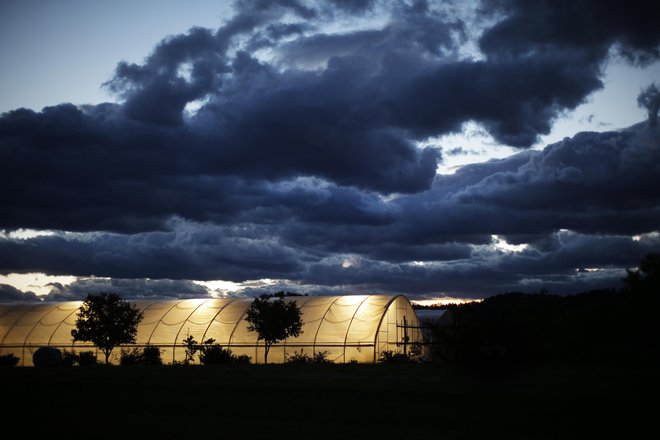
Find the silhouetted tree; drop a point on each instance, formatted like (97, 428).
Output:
(649, 98)
(107, 321)
(646, 278)
(191, 347)
(274, 320)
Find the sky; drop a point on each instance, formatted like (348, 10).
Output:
(447, 151)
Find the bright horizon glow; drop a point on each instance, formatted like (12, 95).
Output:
(443, 301)
(37, 282)
(219, 286)
(40, 284)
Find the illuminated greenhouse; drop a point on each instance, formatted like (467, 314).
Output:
(351, 328)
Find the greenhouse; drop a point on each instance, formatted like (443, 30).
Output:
(349, 328)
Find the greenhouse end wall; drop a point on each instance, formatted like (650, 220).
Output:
(349, 328)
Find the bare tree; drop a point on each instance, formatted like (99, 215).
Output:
(649, 98)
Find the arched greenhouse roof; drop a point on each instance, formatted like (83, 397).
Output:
(345, 328)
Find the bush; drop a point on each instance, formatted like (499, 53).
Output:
(320, 357)
(389, 356)
(214, 354)
(86, 358)
(131, 357)
(242, 359)
(151, 355)
(70, 358)
(9, 360)
(210, 353)
(47, 357)
(298, 358)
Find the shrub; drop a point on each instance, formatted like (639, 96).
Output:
(389, 356)
(213, 354)
(131, 357)
(320, 357)
(8, 360)
(242, 359)
(86, 358)
(298, 358)
(70, 358)
(210, 353)
(151, 355)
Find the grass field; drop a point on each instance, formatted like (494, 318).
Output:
(407, 401)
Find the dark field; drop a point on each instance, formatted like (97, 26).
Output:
(407, 401)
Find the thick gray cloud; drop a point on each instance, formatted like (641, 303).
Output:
(137, 288)
(592, 183)
(11, 294)
(587, 26)
(192, 251)
(585, 207)
(278, 146)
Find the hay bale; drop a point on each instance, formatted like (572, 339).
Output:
(47, 357)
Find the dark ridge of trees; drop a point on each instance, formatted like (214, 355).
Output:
(430, 306)
(611, 325)
(280, 294)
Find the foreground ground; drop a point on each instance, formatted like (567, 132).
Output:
(418, 401)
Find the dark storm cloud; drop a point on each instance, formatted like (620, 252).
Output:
(413, 31)
(604, 186)
(353, 5)
(594, 183)
(126, 288)
(11, 294)
(587, 26)
(92, 170)
(158, 91)
(511, 197)
(575, 251)
(302, 164)
(562, 50)
(488, 272)
(188, 251)
(186, 67)
(353, 123)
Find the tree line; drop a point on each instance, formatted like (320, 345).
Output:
(607, 325)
